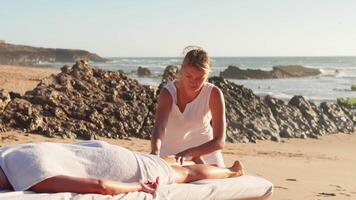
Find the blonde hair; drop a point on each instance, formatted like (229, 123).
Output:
(196, 57)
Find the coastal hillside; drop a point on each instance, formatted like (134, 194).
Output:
(11, 54)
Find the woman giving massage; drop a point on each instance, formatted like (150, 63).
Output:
(190, 117)
(96, 167)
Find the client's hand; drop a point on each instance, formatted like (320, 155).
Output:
(150, 187)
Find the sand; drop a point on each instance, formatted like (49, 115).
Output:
(322, 168)
(20, 79)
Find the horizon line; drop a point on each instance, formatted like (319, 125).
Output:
(324, 56)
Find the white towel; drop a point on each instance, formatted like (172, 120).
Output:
(27, 164)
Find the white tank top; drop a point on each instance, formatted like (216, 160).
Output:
(190, 128)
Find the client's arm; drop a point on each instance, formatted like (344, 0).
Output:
(89, 185)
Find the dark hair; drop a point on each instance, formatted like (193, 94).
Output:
(197, 57)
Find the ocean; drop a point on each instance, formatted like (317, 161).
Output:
(338, 74)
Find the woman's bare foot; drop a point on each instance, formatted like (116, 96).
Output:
(237, 168)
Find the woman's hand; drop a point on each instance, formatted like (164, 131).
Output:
(154, 151)
(184, 155)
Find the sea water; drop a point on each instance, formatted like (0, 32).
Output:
(338, 74)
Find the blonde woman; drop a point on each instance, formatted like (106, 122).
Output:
(190, 118)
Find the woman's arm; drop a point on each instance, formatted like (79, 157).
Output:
(163, 109)
(88, 185)
(170, 160)
(217, 108)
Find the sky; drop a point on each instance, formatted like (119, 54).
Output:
(162, 28)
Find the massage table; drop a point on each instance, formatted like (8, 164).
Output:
(245, 187)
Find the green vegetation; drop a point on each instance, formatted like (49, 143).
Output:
(353, 87)
(347, 102)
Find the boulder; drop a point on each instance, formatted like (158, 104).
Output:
(142, 71)
(4, 99)
(234, 72)
(170, 73)
(281, 71)
(287, 71)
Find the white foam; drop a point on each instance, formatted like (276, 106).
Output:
(278, 95)
(329, 72)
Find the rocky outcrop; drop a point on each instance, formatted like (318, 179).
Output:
(282, 71)
(301, 118)
(170, 73)
(319, 123)
(248, 118)
(340, 117)
(83, 101)
(251, 118)
(143, 71)
(286, 71)
(290, 120)
(27, 55)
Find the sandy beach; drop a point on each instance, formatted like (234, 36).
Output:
(322, 168)
(22, 78)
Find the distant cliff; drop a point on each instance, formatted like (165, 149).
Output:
(27, 55)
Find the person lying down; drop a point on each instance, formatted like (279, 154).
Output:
(96, 167)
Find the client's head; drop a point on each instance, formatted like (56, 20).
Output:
(4, 182)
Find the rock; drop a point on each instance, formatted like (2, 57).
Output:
(285, 71)
(84, 102)
(294, 71)
(290, 120)
(337, 115)
(66, 69)
(142, 71)
(248, 117)
(318, 121)
(234, 72)
(87, 102)
(170, 74)
(14, 95)
(4, 99)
